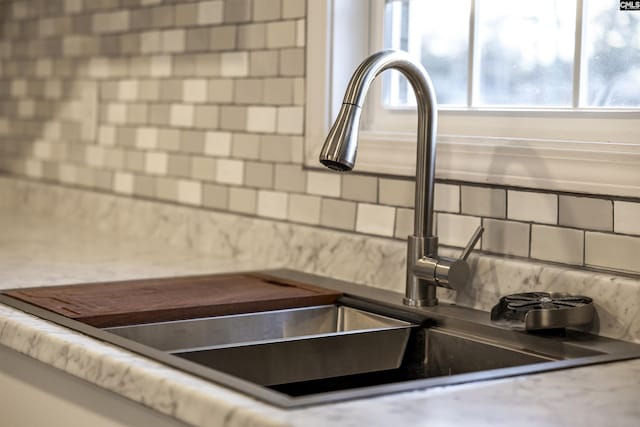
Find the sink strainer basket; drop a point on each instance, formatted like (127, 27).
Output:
(543, 310)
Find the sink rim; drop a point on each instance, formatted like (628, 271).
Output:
(387, 302)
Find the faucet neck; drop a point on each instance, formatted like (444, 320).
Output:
(427, 124)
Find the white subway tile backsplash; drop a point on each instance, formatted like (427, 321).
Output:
(123, 183)
(127, 90)
(612, 251)
(194, 90)
(290, 120)
(534, 207)
(156, 163)
(151, 42)
(110, 22)
(447, 198)
(627, 218)
(505, 237)
(117, 113)
(210, 12)
(230, 171)
(404, 223)
(483, 201)
(281, 34)
(305, 209)
(173, 41)
(273, 204)
(146, 137)
(243, 200)
(160, 66)
(586, 212)
(190, 192)
(557, 244)
(217, 144)
(456, 230)
(338, 214)
(375, 219)
(182, 115)
(323, 183)
(234, 64)
(396, 192)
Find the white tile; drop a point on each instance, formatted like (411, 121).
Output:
(396, 192)
(305, 209)
(447, 198)
(146, 137)
(194, 90)
(117, 113)
(585, 212)
(230, 171)
(127, 90)
(173, 41)
(323, 183)
(261, 119)
(291, 120)
(156, 162)
(557, 244)
(375, 219)
(272, 204)
(190, 192)
(483, 201)
(182, 115)
(210, 12)
(234, 64)
(456, 230)
(613, 251)
(217, 144)
(123, 183)
(404, 223)
(160, 65)
(534, 207)
(627, 217)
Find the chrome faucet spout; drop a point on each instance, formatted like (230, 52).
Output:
(425, 270)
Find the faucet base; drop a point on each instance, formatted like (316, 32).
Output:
(420, 302)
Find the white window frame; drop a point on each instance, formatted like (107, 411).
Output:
(595, 152)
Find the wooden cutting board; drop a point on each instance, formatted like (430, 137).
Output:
(154, 300)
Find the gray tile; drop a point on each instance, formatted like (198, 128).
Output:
(159, 114)
(125, 137)
(162, 16)
(167, 189)
(263, 63)
(483, 201)
(252, 36)
(404, 223)
(206, 116)
(248, 91)
(243, 200)
(259, 175)
(186, 14)
(169, 139)
(140, 19)
(171, 90)
(203, 168)
(192, 141)
(397, 192)
(184, 65)
(149, 90)
(281, 34)
(215, 196)
(304, 208)
(138, 114)
(238, 10)
(208, 65)
(144, 186)
(223, 37)
(233, 118)
(294, 9)
(292, 62)
(245, 146)
(359, 187)
(267, 10)
(103, 180)
(179, 165)
(506, 237)
(198, 39)
(338, 214)
(278, 91)
(276, 148)
(134, 161)
(587, 213)
(220, 90)
(290, 178)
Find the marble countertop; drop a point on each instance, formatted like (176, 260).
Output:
(39, 250)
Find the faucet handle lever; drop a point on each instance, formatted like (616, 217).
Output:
(472, 243)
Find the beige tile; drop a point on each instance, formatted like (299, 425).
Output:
(245, 146)
(281, 34)
(184, 65)
(230, 171)
(194, 90)
(215, 196)
(217, 144)
(243, 200)
(290, 120)
(534, 207)
(259, 175)
(171, 90)
(263, 63)
(186, 14)
(182, 115)
(173, 41)
(210, 12)
(305, 209)
(446, 198)
(223, 37)
(456, 230)
(190, 192)
(557, 244)
(397, 192)
(207, 116)
(290, 178)
(179, 165)
(123, 182)
(248, 91)
(167, 189)
(169, 139)
(338, 214)
(234, 64)
(375, 219)
(294, 9)
(292, 62)
(587, 213)
(252, 36)
(162, 16)
(404, 223)
(197, 39)
(360, 188)
(192, 141)
(233, 118)
(220, 90)
(613, 252)
(506, 237)
(149, 90)
(276, 148)
(278, 91)
(159, 114)
(483, 201)
(261, 119)
(144, 186)
(626, 217)
(323, 183)
(267, 10)
(208, 64)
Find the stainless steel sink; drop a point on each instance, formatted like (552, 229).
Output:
(281, 346)
(368, 344)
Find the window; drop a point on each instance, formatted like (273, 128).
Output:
(537, 94)
(547, 53)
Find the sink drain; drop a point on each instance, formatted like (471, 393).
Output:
(543, 310)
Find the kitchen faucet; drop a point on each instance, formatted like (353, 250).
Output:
(425, 269)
